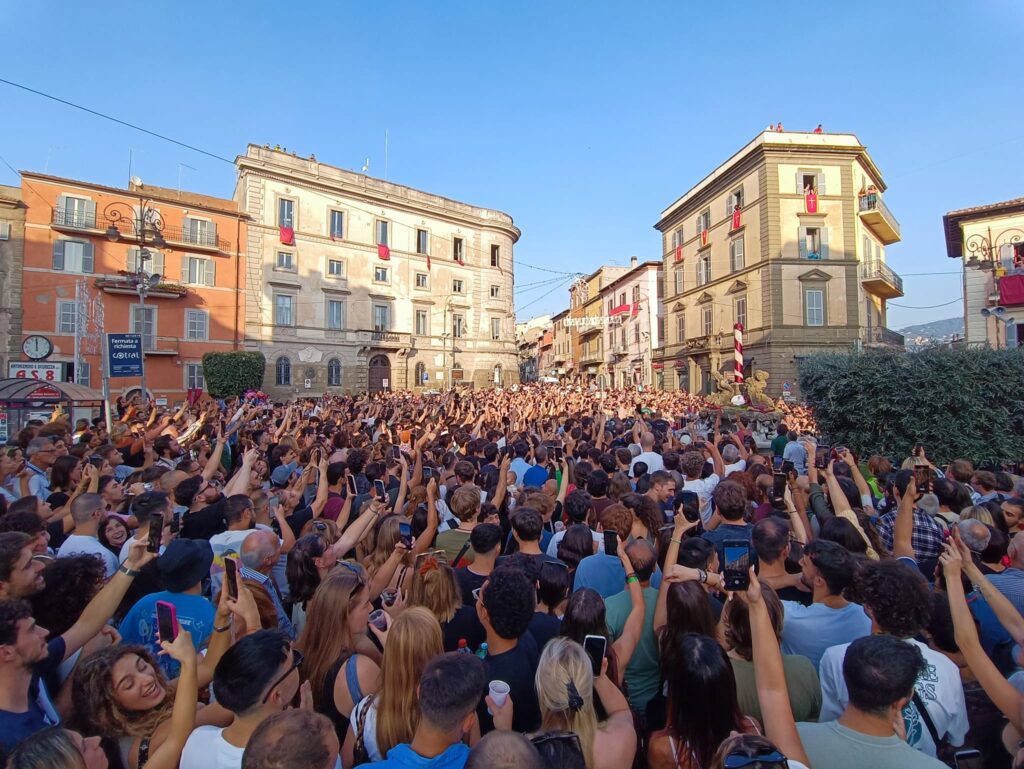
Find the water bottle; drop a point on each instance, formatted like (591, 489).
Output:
(463, 647)
(482, 651)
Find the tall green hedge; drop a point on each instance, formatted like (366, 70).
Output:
(965, 403)
(229, 374)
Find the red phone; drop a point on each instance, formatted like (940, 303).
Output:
(166, 621)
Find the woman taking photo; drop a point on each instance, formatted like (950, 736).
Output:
(566, 687)
(388, 718)
(340, 661)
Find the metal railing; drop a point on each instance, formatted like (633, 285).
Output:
(73, 217)
(876, 269)
(884, 336)
(131, 226)
(874, 202)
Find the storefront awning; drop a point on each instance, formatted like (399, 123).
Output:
(34, 390)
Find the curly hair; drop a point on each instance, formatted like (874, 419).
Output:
(96, 706)
(510, 599)
(897, 596)
(71, 582)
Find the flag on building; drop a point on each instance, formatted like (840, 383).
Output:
(636, 309)
(428, 262)
(288, 236)
(621, 309)
(679, 253)
(383, 252)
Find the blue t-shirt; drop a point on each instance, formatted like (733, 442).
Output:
(195, 614)
(810, 630)
(15, 727)
(604, 573)
(403, 757)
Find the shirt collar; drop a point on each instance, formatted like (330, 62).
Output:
(256, 576)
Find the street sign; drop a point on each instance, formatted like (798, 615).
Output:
(44, 372)
(426, 377)
(787, 387)
(3, 425)
(124, 355)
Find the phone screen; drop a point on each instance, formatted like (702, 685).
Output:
(405, 534)
(428, 473)
(175, 523)
(156, 532)
(922, 477)
(559, 453)
(594, 646)
(968, 759)
(821, 456)
(396, 452)
(381, 489)
(352, 485)
(778, 485)
(777, 463)
(611, 542)
(166, 620)
(231, 577)
(737, 564)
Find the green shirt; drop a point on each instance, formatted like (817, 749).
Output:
(833, 745)
(801, 680)
(643, 673)
(451, 542)
(778, 444)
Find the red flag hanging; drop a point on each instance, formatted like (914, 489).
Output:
(736, 215)
(288, 236)
(622, 308)
(679, 253)
(636, 309)
(428, 262)
(383, 252)
(811, 201)
(703, 238)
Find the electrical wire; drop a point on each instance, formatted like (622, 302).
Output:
(558, 285)
(927, 307)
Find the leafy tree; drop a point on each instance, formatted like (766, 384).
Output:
(966, 403)
(229, 374)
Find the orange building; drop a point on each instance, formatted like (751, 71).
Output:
(82, 249)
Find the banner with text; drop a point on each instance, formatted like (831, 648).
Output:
(124, 355)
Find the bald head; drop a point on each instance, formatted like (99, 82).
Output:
(504, 750)
(643, 558)
(169, 481)
(975, 535)
(260, 550)
(86, 508)
(647, 441)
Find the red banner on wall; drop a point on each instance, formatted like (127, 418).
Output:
(736, 215)
(811, 202)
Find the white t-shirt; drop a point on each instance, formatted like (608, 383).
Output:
(126, 549)
(652, 459)
(703, 488)
(552, 550)
(206, 748)
(939, 687)
(77, 544)
(736, 467)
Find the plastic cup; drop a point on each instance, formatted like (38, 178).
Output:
(389, 596)
(379, 619)
(498, 691)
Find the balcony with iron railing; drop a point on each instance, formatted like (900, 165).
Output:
(876, 215)
(194, 236)
(881, 280)
(592, 356)
(879, 336)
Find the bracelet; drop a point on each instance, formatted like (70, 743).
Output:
(124, 569)
(632, 578)
(703, 576)
(676, 541)
(224, 629)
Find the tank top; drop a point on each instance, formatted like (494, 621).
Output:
(327, 696)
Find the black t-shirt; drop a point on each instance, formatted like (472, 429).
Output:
(796, 595)
(516, 667)
(544, 627)
(15, 727)
(465, 624)
(298, 519)
(204, 523)
(468, 582)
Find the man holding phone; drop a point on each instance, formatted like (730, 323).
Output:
(731, 507)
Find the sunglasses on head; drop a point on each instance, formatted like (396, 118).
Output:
(738, 760)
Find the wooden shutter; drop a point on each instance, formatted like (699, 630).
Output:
(799, 183)
(184, 269)
(821, 184)
(823, 235)
(90, 214)
(211, 272)
(88, 260)
(133, 260)
(803, 242)
(62, 209)
(58, 254)
(156, 263)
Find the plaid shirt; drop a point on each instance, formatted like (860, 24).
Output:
(926, 538)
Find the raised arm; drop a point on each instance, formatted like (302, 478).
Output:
(862, 486)
(631, 631)
(426, 540)
(167, 754)
(903, 529)
(213, 463)
(403, 485)
(671, 561)
(239, 483)
(843, 510)
(320, 500)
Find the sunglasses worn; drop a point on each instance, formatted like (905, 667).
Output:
(297, 660)
(737, 760)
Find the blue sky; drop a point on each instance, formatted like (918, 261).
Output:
(582, 120)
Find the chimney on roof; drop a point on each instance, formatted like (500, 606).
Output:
(632, 261)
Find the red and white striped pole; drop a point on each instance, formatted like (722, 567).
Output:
(737, 338)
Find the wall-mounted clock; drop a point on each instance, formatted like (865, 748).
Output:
(37, 347)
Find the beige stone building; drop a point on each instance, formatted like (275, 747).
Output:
(588, 322)
(331, 315)
(788, 237)
(12, 255)
(989, 242)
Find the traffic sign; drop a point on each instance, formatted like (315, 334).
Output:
(124, 355)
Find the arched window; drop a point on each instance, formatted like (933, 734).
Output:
(334, 373)
(421, 375)
(284, 371)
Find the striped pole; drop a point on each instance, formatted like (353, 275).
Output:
(737, 338)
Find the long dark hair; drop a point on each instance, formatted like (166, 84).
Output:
(702, 706)
(576, 545)
(60, 473)
(300, 568)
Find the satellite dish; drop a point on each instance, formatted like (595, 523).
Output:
(135, 180)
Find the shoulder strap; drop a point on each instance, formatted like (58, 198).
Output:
(352, 679)
(360, 747)
(462, 552)
(927, 718)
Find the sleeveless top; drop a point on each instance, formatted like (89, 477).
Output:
(330, 709)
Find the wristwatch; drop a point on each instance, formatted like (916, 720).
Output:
(123, 568)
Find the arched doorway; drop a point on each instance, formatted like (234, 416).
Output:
(380, 373)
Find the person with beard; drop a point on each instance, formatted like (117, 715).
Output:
(167, 451)
(240, 517)
(206, 507)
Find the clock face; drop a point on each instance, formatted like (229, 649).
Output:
(37, 347)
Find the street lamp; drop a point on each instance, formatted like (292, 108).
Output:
(147, 225)
(983, 250)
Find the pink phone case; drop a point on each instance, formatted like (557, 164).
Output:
(173, 613)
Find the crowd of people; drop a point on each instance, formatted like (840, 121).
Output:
(539, 576)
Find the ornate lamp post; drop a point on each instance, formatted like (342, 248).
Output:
(983, 250)
(146, 224)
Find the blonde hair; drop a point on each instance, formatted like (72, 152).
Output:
(978, 513)
(326, 636)
(385, 538)
(563, 662)
(434, 587)
(465, 502)
(414, 639)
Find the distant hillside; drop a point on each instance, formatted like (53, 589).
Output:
(936, 332)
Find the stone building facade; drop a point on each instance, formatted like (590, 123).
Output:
(12, 255)
(356, 283)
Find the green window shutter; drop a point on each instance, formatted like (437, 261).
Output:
(211, 272)
(803, 242)
(58, 254)
(821, 184)
(90, 213)
(87, 257)
(824, 242)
